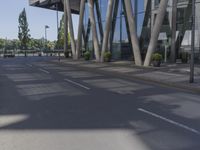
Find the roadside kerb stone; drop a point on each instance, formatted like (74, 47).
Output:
(161, 75)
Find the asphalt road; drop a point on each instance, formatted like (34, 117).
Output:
(45, 105)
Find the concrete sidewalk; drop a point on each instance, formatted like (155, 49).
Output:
(175, 75)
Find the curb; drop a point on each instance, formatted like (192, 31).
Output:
(170, 84)
(133, 77)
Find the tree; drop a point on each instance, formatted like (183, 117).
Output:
(38, 43)
(50, 45)
(23, 34)
(2, 42)
(31, 44)
(10, 45)
(15, 44)
(60, 41)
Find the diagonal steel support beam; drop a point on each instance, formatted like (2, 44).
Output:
(99, 20)
(133, 32)
(156, 30)
(107, 28)
(69, 15)
(80, 28)
(84, 35)
(127, 25)
(65, 30)
(116, 7)
(87, 33)
(94, 30)
(173, 41)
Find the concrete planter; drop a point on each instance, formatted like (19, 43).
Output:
(156, 63)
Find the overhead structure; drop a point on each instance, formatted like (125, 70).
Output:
(52, 4)
(97, 36)
(111, 25)
(68, 7)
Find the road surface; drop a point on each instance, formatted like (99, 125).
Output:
(46, 105)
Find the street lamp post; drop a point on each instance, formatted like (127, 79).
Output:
(192, 43)
(46, 27)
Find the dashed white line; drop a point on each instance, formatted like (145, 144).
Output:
(29, 65)
(78, 84)
(170, 121)
(45, 71)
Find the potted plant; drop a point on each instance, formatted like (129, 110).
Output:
(107, 56)
(184, 57)
(66, 53)
(156, 59)
(87, 55)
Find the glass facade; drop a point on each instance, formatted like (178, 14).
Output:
(145, 12)
(183, 27)
(119, 43)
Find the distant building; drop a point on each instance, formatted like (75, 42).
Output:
(119, 42)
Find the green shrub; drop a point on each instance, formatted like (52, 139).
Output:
(87, 55)
(156, 57)
(107, 56)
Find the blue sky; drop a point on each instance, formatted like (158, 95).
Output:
(37, 18)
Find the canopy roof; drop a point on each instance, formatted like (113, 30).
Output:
(55, 4)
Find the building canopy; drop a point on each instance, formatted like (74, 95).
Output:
(55, 4)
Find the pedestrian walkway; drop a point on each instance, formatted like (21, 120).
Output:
(176, 75)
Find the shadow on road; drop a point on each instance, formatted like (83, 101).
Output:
(102, 110)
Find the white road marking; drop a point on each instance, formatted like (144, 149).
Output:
(170, 121)
(6, 120)
(29, 65)
(78, 84)
(45, 71)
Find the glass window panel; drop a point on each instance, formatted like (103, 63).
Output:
(103, 7)
(116, 46)
(124, 31)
